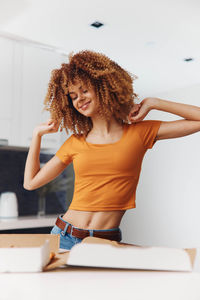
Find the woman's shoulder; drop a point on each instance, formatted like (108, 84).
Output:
(72, 143)
(143, 123)
(74, 138)
(143, 126)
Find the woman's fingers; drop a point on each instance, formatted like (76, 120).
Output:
(50, 121)
(139, 114)
(50, 126)
(53, 123)
(134, 111)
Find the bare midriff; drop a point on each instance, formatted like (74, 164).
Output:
(94, 219)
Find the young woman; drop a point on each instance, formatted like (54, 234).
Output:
(93, 97)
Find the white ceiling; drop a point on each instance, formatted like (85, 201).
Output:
(150, 38)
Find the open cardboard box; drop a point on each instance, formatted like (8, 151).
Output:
(40, 252)
(27, 252)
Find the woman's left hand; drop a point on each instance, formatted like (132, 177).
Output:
(139, 111)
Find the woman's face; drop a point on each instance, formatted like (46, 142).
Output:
(84, 99)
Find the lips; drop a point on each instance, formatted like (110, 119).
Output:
(85, 105)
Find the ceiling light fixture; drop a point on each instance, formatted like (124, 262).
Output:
(188, 59)
(97, 24)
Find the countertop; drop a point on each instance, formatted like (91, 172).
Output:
(93, 283)
(28, 222)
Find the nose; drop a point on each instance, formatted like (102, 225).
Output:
(81, 97)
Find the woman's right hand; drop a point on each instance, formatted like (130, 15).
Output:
(49, 126)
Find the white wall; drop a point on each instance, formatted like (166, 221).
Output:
(168, 198)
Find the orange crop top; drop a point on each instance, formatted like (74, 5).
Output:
(106, 175)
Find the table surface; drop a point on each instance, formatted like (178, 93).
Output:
(28, 222)
(93, 283)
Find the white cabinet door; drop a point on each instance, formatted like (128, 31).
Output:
(5, 130)
(6, 91)
(36, 70)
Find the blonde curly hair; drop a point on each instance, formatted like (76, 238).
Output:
(112, 85)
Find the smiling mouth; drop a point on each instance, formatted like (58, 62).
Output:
(85, 105)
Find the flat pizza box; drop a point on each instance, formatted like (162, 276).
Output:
(40, 252)
(102, 253)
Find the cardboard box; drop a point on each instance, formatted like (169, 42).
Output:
(40, 252)
(102, 253)
(26, 252)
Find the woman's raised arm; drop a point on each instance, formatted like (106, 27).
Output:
(34, 176)
(170, 129)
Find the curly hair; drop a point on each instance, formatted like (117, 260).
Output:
(112, 85)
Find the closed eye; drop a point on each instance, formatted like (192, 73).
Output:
(85, 91)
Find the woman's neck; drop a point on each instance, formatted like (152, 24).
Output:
(104, 127)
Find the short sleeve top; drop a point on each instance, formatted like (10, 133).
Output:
(106, 175)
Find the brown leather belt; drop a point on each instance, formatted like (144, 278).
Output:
(83, 233)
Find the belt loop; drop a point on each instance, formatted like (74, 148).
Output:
(120, 233)
(91, 232)
(65, 229)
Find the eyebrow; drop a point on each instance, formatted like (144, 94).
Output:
(74, 92)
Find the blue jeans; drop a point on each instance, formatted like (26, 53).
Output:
(67, 241)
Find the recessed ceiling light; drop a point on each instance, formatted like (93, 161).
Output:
(97, 24)
(188, 59)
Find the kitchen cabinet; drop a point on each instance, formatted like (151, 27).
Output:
(25, 72)
(5, 129)
(28, 224)
(6, 77)
(6, 91)
(36, 69)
